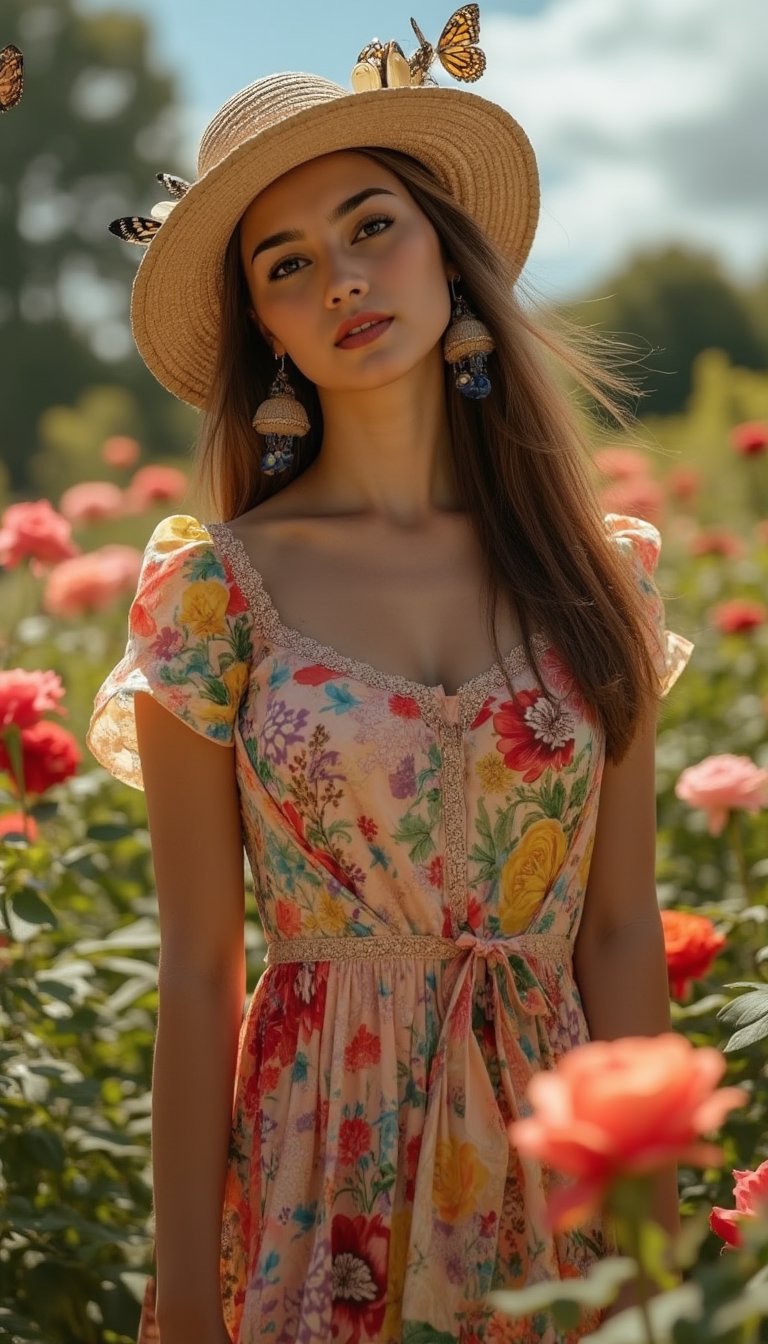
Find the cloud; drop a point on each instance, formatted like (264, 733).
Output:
(648, 120)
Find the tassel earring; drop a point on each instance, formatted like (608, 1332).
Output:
(280, 418)
(466, 344)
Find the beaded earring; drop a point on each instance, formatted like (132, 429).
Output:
(280, 418)
(466, 344)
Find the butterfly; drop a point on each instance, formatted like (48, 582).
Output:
(140, 229)
(11, 77)
(456, 48)
(381, 66)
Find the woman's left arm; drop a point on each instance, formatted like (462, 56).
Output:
(619, 956)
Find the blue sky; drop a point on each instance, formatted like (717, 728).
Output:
(648, 116)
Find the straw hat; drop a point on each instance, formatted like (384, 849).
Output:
(475, 148)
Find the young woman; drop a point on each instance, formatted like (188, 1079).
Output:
(421, 672)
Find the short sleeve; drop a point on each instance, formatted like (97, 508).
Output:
(641, 543)
(189, 645)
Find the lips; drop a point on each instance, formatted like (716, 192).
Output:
(359, 320)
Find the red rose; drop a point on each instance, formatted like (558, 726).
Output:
(534, 734)
(25, 696)
(751, 1196)
(50, 755)
(691, 943)
(738, 616)
(750, 439)
(35, 531)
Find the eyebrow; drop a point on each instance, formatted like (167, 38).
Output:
(340, 211)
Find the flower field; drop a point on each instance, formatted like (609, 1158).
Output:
(79, 935)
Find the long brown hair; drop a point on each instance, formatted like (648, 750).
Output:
(521, 462)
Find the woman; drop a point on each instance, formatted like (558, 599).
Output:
(447, 803)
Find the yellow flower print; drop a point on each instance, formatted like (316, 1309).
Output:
(203, 606)
(235, 679)
(398, 1258)
(493, 774)
(176, 531)
(529, 873)
(459, 1177)
(214, 714)
(585, 862)
(330, 914)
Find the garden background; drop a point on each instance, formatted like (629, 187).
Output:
(85, 428)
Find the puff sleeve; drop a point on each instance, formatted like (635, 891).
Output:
(640, 541)
(189, 645)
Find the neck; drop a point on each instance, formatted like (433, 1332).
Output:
(386, 451)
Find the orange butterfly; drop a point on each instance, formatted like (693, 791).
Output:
(11, 77)
(456, 48)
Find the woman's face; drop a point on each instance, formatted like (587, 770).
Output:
(335, 240)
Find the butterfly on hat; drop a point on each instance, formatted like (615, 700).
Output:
(11, 77)
(385, 66)
(140, 229)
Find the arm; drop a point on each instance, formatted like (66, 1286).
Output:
(197, 854)
(619, 957)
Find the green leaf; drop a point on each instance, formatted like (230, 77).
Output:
(665, 1310)
(596, 1290)
(745, 1009)
(420, 1332)
(415, 833)
(756, 1031)
(28, 905)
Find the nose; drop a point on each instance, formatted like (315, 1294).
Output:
(344, 284)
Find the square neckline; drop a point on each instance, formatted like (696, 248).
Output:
(252, 585)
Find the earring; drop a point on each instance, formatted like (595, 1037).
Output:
(466, 343)
(280, 418)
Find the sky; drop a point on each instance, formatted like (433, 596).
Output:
(648, 117)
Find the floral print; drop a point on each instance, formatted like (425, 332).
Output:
(419, 864)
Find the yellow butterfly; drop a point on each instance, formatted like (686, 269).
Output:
(456, 48)
(11, 77)
(381, 66)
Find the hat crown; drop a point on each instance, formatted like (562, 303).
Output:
(257, 108)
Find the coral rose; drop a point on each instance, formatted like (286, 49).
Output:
(720, 783)
(50, 755)
(92, 582)
(155, 485)
(529, 872)
(120, 451)
(621, 464)
(91, 502)
(750, 439)
(14, 823)
(25, 696)
(35, 531)
(738, 616)
(611, 1109)
(751, 1195)
(691, 943)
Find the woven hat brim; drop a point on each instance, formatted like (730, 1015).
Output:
(474, 147)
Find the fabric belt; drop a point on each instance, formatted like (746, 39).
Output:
(552, 947)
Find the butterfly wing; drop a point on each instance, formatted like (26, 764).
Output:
(456, 49)
(135, 228)
(11, 77)
(175, 186)
(365, 77)
(397, 68)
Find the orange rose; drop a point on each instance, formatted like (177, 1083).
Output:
(621, 1108)
(691, 943)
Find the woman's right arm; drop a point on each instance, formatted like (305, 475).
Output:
(197, 853)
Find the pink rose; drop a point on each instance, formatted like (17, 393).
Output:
(91, 502)
(683, 483)
(50, 755)
(621, 464)
(120, 451)
(92, 582)
(717, 541)
(155, 485)
(636, 497)
(751, 1195)
(25, 696)
(35, 531)
(720, 783)
(620, 1108)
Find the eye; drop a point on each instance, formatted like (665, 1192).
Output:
(386, 220)
(274, 274)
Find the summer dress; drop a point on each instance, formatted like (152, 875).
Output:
(419, 863)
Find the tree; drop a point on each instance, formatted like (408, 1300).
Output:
(673, 304)
(96, 122)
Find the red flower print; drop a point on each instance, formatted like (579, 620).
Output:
(561, 679)
(474, 913)
(287, 918)
(237, 602)
(412, 1151)
(354, 1140)
(484, 713)
(141, 622)
(404, 706)
(334, 868)
(269, 1078)
(360, 1249)
(435, 871)
(315, 675)
(363, 1049)
(295, 818)
(534, 734)
(367, 827)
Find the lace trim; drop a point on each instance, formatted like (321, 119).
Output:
(552, 947)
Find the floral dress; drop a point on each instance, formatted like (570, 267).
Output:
(419, 863)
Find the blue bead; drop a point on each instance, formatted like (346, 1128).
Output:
(478, 387)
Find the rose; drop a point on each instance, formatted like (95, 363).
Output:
(683, 483)
(691, 943)
(50, 754)
(92, 582)
(91, 501)
(529, 872)
(638, 497)
(120, 451)
(751, 1195)
(717, 541)
(621, 464)
(35, 531)
(621, 1108)
(750, 439)
(15, 823)
(719, 783)
(25, 696)
(155, 485)
(738, 615)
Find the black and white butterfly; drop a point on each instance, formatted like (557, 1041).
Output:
(140, 228)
